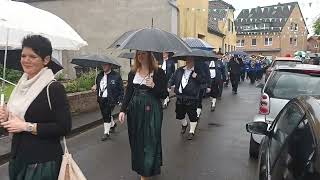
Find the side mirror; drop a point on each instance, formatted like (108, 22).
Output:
(257, 128)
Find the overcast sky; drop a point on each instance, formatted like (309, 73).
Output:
(310, 13)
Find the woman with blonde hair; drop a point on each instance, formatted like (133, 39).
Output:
(142, 104)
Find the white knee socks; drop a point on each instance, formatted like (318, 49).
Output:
(213, 102)
(107, 127)
(184, 122)
(198, 112)
(193, 126)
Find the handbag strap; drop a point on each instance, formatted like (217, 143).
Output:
(49, 102)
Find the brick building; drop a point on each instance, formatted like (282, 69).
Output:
(313, 44)
(272, 31)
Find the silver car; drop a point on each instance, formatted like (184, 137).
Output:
(284, 84)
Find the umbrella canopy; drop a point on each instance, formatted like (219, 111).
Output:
(201, 54)
(238, 53)
(300, 53)
(151, 39)
(94, 61)
(19, 19)
(198, 43)
(127, 55)
(14, 57)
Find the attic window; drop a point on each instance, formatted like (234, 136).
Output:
(250, 15)
(274, 12)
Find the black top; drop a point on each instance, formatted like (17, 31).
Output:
(235, 67)
(192, 89)
(51, 126)
(114, 87)
(159, 90)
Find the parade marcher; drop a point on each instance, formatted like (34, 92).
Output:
(242, 73)
(259, 71)
(168, 65)
(37, 114)
(142, 102)
(235, 65)
(225, 61)
(252, 71)
(203, 68)
(247, 68)
(109, 88)
(186, 84)
(218, 76)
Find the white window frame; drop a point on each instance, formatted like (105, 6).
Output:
(240, 43)
(252, 43)
(269, 42)
(295, 41)
(316, 46)
(296, 26)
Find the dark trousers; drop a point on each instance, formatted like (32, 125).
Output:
(215, 91)
(220, 88)
(201, 94)
(243, 75)
(106, 109)
(252, 76)
(186, 106)
(235, 78)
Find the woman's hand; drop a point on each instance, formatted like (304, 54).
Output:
(149, 82)
(4, 114)
(15, 124)
(121, 117)
(194, 75)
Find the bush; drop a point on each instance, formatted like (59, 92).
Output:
(11, 74)
(83, 83)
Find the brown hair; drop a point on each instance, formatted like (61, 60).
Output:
(153, 64)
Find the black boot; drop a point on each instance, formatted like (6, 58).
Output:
(105, 137)
(190, 136)
(184, 129)
(113, 129)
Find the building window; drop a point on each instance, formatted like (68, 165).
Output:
(316, 46)
(268, 41)
(225, 48)
(229, 25)
(232, 27)
(294, 27)
(240, 43)
(253, 42)
(294, 41)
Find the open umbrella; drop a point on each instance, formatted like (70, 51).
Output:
(94, 61)
(198, 43)
(151, 39)
(19, 19)
(198, 53)
(127, 55)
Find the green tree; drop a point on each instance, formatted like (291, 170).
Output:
(316, 27)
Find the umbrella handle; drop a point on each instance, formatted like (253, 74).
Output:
(2, 100)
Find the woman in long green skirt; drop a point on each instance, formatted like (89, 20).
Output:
(142, 103)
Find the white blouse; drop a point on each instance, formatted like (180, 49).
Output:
(185, 78)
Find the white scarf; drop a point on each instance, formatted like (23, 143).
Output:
(103, 92)
(185, 78)
(27, 90)
(212, 67)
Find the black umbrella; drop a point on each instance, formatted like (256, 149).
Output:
(14, 57)
(198, 53)
(151, 39)
(94, 61)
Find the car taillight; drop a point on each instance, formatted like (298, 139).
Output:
(264, 108)
(311, 72)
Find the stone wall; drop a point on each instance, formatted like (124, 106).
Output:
(82, 102)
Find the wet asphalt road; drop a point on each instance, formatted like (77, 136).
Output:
(219, 150)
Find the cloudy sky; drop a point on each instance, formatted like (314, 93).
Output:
(310, 8)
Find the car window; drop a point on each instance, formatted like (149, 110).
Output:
(288, 85)
(288, 63)
(287, 121)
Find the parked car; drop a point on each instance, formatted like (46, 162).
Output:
(280, 61)
(290, 149)
(284, 84)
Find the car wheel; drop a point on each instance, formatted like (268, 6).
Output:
(253, 148)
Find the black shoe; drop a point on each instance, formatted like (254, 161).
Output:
(190, 136)
(105, 137)
(184, 129)
(113, 129)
